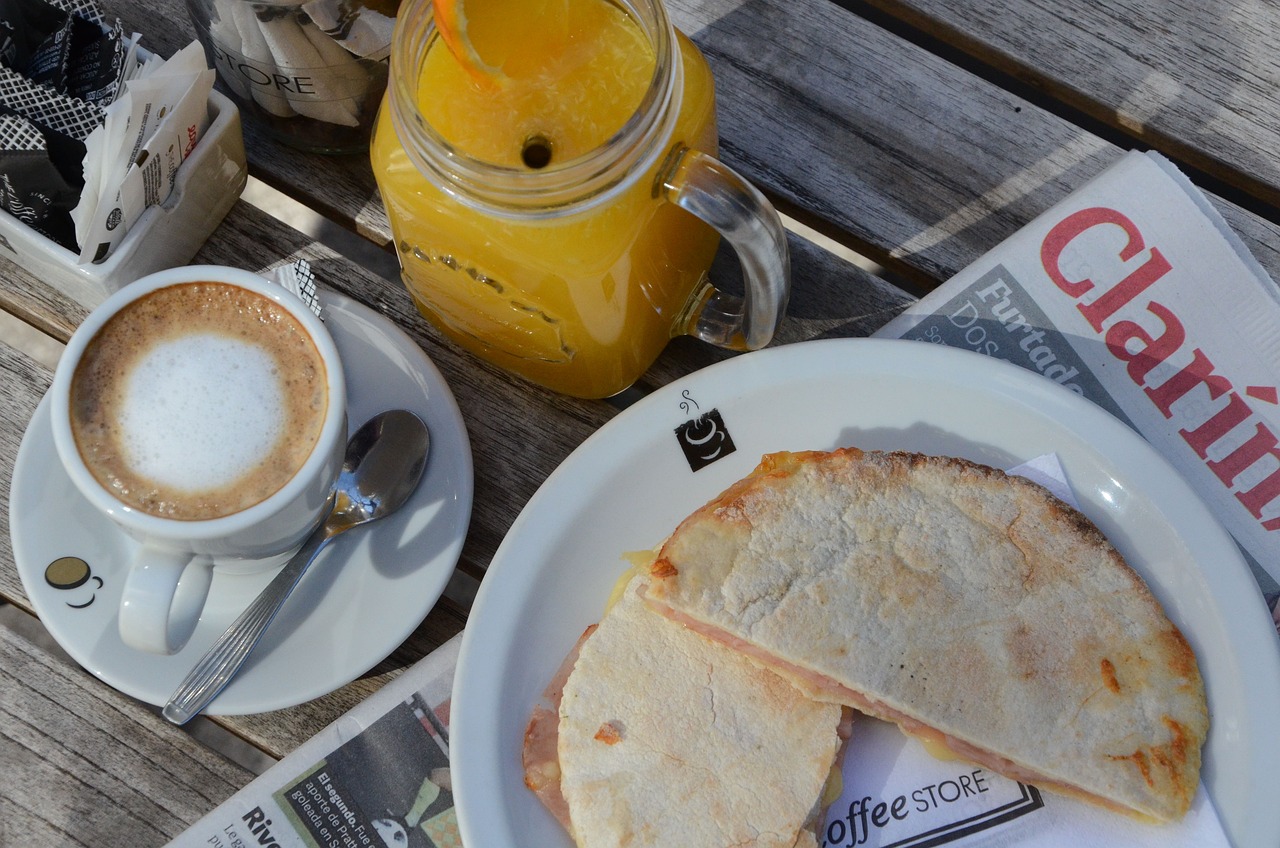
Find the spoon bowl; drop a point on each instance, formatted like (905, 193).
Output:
(385, 460)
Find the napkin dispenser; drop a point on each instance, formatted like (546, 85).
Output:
(206, 186)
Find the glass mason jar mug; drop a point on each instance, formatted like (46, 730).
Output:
(560, 221)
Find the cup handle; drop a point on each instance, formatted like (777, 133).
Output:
(163, 595)
(713, 191)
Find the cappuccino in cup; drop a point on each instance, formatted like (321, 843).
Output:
(203, 411)
(198, 400)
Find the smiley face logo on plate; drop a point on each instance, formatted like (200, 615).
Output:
(70, 573)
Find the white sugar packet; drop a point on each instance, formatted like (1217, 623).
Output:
(131, 160)
(896, 794)
(296, 276)
(283, 42)
(363, 31)
(336, 78)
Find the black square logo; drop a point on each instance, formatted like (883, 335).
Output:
(704, 440)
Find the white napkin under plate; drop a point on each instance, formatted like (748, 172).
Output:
(959, 805)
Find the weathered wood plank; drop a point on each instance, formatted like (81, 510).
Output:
(84, 765)
(922, 164)
(830, 298)
(41, 306)
(1196, 80)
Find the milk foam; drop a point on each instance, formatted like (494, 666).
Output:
(201, 410)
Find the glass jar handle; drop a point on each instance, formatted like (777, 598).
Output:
(713, 191)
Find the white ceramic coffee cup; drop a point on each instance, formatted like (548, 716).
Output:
(166, 584)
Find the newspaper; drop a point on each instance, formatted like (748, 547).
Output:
(1134, 293)
(377, 776)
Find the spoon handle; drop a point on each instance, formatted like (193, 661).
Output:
(216, 668)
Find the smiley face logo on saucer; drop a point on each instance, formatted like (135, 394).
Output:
(72, 573)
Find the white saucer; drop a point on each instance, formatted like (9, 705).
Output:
(364, 595)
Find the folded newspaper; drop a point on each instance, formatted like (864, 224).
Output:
(377, 776)
(1132, 292)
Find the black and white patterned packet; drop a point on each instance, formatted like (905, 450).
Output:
(68, 49)
(32, 189)
(51, 170)
(84, 61)
(61, 66)
(19, 134)
(41, 105)
(297, 277)
(86, 9)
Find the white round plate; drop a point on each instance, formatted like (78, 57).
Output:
(363, 597)
(628, 486)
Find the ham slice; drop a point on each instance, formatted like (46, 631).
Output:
(541, 739)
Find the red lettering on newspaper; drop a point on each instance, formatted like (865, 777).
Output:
(1142, 351)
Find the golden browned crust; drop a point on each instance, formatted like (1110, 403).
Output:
(956, 597)
(608, 734)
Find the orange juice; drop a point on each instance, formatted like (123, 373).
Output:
(532, 232)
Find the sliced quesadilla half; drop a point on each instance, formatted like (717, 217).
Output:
(974, 609)
(666, 738)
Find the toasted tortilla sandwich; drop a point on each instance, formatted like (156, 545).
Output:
(974, 609)
(662, 737)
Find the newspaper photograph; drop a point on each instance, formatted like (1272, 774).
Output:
(378, 776)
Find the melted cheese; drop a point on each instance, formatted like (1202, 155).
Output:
(934, 743)
(639, 562)
(834, 785)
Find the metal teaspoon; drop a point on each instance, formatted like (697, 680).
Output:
(384, 461)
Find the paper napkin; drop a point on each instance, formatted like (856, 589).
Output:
(897, 794)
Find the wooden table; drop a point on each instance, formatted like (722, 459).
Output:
(917, 133)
